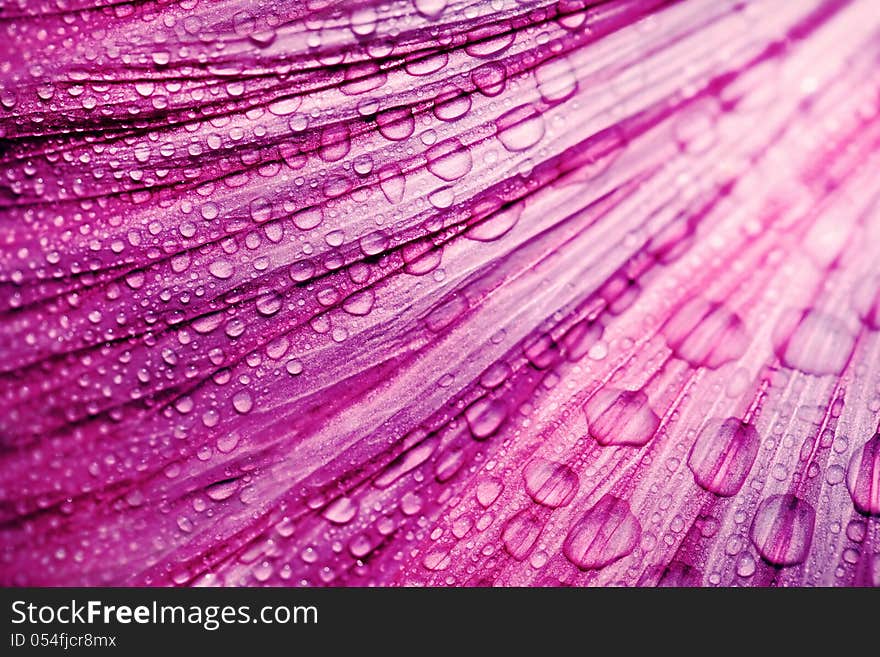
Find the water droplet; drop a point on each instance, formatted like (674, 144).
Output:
(451, 104)
(392, 183)
(621, 417)
(550, 483)
(556, 80)
(813, 342)
(520, 534)
(374, 243)
(228, 442)
(308, 218)
(863, 477)
(604, 534)
(335, 142)
(430, 8)
(520, 128)
(396, 124)
(437, 560)
(410, 504)
(485, 416)
(341, 510)
(285, 106)
(496, 225)
(363, 21)
(782, 529)
(406, 462)
(490, 79)
(221, 269)
(360, 546)
(449, 160)
(723, 455)
(495, 375)
(421, 64)
(242, 401)
(488, 491)
(706, 334)
(269, 304)
(834, 474)
(745, 565)
(222, 490)
(442, 198)
(490, 39)
(359, 303)
(302, 270)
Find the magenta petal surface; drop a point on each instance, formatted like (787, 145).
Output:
(440, 292)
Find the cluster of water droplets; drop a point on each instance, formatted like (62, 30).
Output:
(450, 292)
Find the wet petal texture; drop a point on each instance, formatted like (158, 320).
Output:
(440, 292)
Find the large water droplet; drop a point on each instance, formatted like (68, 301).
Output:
(335, 142)
(723, 454)
(863, 477)
(396, 124)
(221, 269)
(490, 78)
(430, 8)
(342, 510)
(782, 529)
(490, 39)
(814, 342)
(285, 106)
(269, 304)
(520, 128)
(359, 303)
(449, 160)
(452, 103)
(706, 334)
(363, 21)
(406, 462)
(484, 417)
(222, 490)
(495, 225)
(605, 533)
(550, 483)
(621, 417)
(520, 534)
(308, 218)
(242, 401)
(556, 80)
(392, 183)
